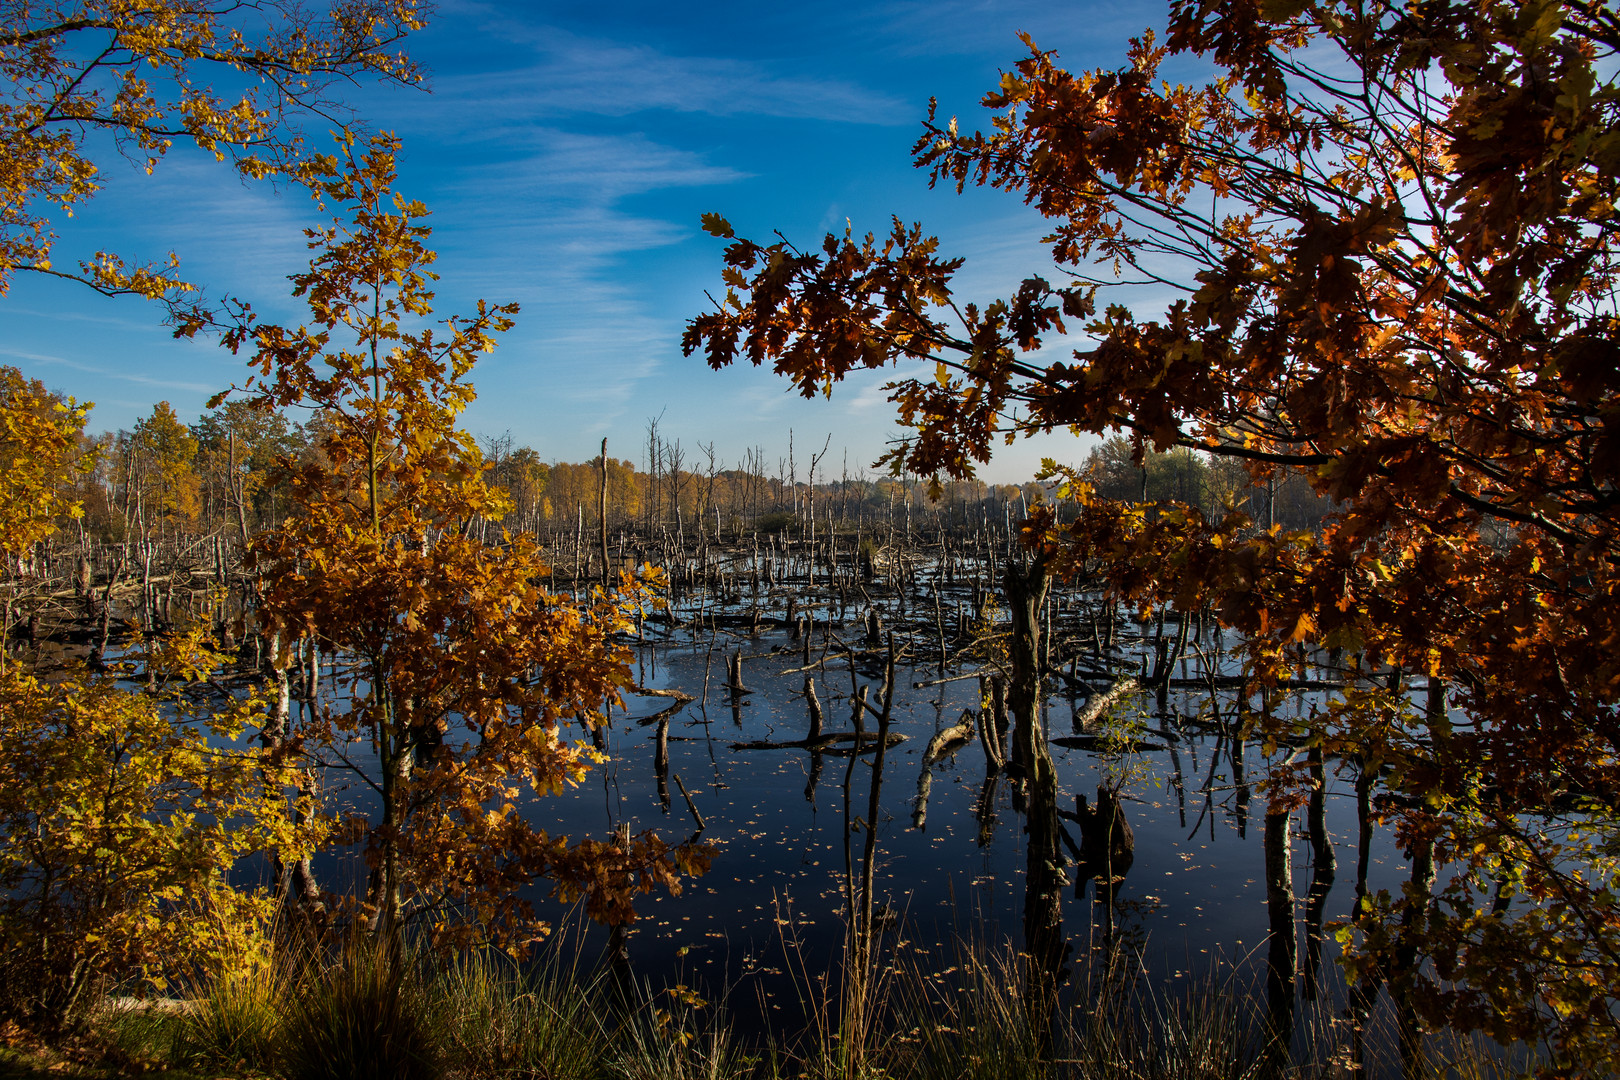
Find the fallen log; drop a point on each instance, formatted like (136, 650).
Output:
(1099, 703)
(681, 700)
(949, 740)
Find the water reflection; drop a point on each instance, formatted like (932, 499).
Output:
(1200, 880)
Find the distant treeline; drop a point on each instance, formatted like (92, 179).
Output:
(230, 472)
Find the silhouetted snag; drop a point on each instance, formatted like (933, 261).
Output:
(814, 779)
(1107, 841)
(1025, 589)
(1315, 908)
(1364, 992)
(984, 809)
(1408, 955)
(814, 705)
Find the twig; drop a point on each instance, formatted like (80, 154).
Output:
(690, 805)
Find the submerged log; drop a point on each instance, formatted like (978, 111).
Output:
(681, 700)
(867, 741)
(1103, 744)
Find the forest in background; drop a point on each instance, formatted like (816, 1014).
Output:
(226, 474)
(1390, 233)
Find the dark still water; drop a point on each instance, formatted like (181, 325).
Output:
(1191, 905)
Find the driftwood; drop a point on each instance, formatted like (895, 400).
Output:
(949, 740)
(942, 745)
(681, 700)
(1099, 703)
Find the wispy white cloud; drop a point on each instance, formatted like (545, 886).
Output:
(108, 373)
(555, 169)
(575, 74)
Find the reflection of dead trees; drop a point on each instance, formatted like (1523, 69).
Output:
(1282, 951)
(1364, 992)
(919, 805)
(1025, 588)
(1408, 958)
(1107, 852)
(818, 741)
(661, 763)
(1323, 864)
(1107, 841)
(984, 810)
(859, 1012)
(1044, 943)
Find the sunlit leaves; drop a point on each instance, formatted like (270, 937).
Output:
(233, 81)
(1387, 240)
(40, 457)
(468, 665)
(121, 818)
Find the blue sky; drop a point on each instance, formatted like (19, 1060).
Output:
(567, 151)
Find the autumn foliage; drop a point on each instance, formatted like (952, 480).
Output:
(1390, 230)
(232, 80)
(469, 667)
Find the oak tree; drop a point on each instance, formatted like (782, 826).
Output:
(1390, 233)
(468, 667)
(82, 81)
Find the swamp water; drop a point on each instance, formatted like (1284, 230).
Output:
(954, 861)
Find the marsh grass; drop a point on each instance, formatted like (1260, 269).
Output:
(361, 1016)
(236, 1019)
(978, 1019)
(363, 1012)
(494, 1018)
